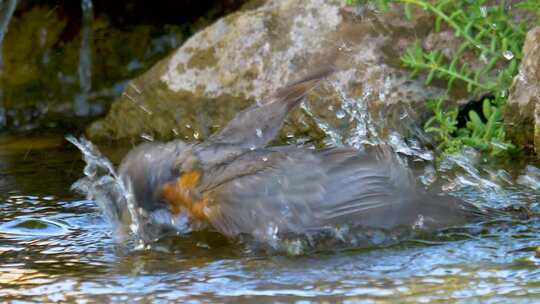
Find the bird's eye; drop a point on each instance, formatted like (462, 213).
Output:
(177, 166)
(176, 170)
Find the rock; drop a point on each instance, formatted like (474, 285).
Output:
(245, 56)
(39, 64)
(523, 108)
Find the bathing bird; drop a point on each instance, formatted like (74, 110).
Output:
(236, 184)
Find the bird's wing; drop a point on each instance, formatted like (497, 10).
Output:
(257, 125)
(298, 190)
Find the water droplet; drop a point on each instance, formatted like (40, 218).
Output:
(483, 11)
(272, 231)
(145, 109)
(196, 135)
(202, 245)
(294, 247)
(508, 55)
(483, 58)
(135, 88)
(252, 147)
(147, 137)
(265, 159)
(341, 232)
(259, 132)
(419, 224)
(404, 115)
(188, 126)
(429, 176)
(340, 114)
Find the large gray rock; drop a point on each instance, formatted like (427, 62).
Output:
(523, 109)
(249, 54)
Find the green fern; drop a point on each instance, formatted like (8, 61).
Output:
(435, 64)
(444, 126)
(530, 5)
(487, 31)
(488, 137)
(490, 33)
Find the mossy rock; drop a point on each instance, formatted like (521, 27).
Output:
(245, 56)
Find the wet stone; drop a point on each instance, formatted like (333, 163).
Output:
(522, 114)
(247, 55)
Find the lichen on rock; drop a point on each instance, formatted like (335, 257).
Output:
(248, 54)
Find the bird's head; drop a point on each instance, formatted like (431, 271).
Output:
(144, 172)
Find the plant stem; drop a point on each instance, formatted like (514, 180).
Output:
(449, 72)
(459, 31)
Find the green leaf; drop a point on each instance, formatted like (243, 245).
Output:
(408, 13)
(486, 107)
(485, 36)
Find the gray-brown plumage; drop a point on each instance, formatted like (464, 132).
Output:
(237, 185)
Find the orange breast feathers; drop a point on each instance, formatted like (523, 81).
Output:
(181, 195)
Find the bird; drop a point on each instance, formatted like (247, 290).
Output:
(237, 184)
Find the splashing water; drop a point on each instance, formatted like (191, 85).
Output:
(102, 184)
(361, 129)
(462, 175)
(459, 174)
(497, 265)
(410, 147)
(333, 136)
(115, 198)
(468, 175)
(530, 177)
(364, 130)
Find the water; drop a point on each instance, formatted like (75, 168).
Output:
(7, 8)
(82, 107)
(56, 246)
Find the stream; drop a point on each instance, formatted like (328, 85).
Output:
(56, 246)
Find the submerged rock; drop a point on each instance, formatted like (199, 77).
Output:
(523, 110)
(246, 55)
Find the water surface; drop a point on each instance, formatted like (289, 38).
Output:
(56, 246)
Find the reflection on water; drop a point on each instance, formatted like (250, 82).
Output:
(7, 9)
(82, 107)
(54, 246)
